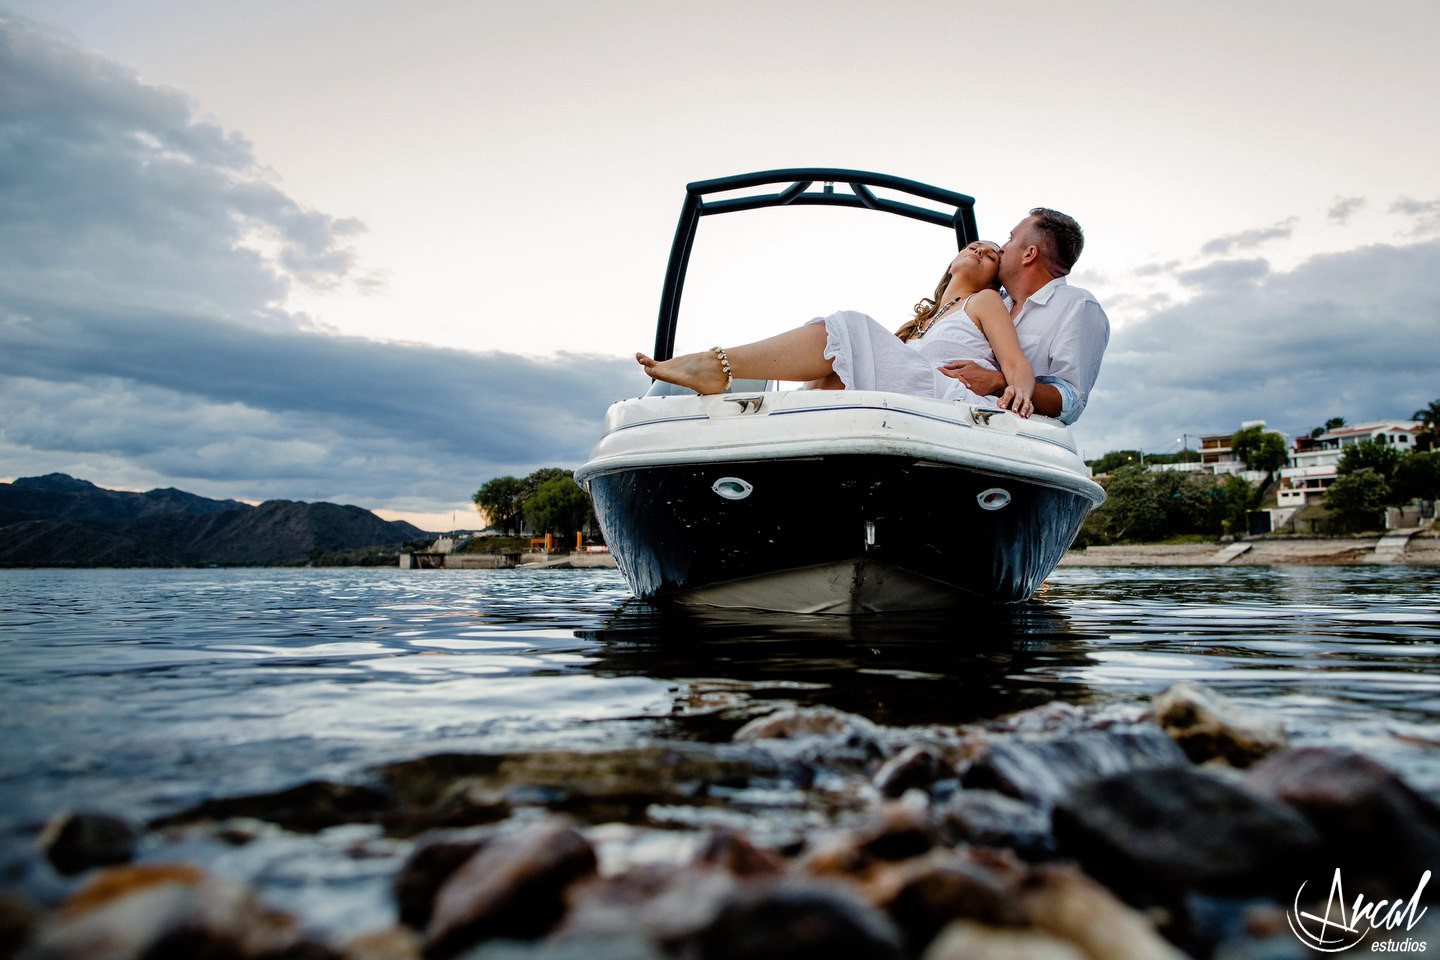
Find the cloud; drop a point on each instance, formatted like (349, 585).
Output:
(1248, 239)
(1343, 207)
(1226, 274)
(145, 258)
(115, 193)
(1426, 214)
(1350, 334)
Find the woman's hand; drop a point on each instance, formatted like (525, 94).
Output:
(1021, 406)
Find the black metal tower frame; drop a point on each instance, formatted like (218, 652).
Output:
(798, 193)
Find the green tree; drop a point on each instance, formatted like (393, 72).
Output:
(1238, 498)
(531, 485)
(558, 506)
(1115, 459)
(499, 501)
(1133, 511)
(1260, 449)
(1417, 477)
(1334, 423)
(1373, 454)
(1429, 418)
(1358, 500)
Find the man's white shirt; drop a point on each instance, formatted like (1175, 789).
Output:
(1063, 333)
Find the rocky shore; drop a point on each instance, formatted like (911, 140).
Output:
(1421, 548)
(1181, 829)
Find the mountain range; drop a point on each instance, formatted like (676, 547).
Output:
(59, 521)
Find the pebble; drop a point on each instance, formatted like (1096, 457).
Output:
(991, 819)
(1042, 771)
(75, 842)
(1154, 834)
(165, 911)
(789, 920)
(967, 940)
(917, 766)
(513, 887)
(1373, 823)
(1210, 728)
(424, 873)
(1068, 905)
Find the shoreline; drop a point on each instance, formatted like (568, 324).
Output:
(1407, 548)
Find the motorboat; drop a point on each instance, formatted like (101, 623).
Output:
(829, 501)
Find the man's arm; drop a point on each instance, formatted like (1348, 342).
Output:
(991, 383)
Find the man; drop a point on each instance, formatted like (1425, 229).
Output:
(1062, 329)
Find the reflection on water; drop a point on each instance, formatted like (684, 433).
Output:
(143, 691)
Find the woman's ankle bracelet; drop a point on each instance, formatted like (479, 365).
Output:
(724, 365)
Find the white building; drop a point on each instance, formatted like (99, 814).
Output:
(1218, 457)
(1313, 460)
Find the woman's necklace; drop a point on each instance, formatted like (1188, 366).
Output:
(934, 317)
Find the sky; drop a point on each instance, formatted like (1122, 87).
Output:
(379, 254)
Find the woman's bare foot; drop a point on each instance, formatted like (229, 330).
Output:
(700, 372)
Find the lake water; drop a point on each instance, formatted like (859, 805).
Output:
(141, 692)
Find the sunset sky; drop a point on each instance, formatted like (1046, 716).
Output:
(378, 253)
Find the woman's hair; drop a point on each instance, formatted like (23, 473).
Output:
(926, 308)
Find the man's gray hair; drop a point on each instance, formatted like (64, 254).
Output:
(1059, 238)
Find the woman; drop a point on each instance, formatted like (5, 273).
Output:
(966, 320)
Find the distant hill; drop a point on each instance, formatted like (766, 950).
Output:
(57, 520)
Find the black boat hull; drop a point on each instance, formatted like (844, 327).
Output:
(839, 533)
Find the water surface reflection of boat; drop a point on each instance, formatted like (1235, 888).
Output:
(830, 501)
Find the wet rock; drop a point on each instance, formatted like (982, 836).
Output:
(927, 893)
(1069, 906)
(991, 819)
(1057, 716)
(17, 920)
(1042, 771)
(395, 943)
(967, 940)
(1373, 823)
(732, 851)
(670, 905)
(619, 946)
(817, 735)
(898, 831)
(784, 921)
(308, 808)
(168, 912)
(424, 873)
(1153, 834)
(917, 766)
(794, 722)
(75, 842)
(611, 786)
(514, 887)
(1209, 727)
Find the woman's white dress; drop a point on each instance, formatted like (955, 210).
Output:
(869, 357)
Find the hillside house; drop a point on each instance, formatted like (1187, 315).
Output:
(1313, 460)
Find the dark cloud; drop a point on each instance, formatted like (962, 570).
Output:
(1344, 207)
(114, 193)
(1351, 334)
(1248, 239)
(1425, 212)
(1227, 274)
(142, 330)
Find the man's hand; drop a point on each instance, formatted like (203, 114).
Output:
(981, 380)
